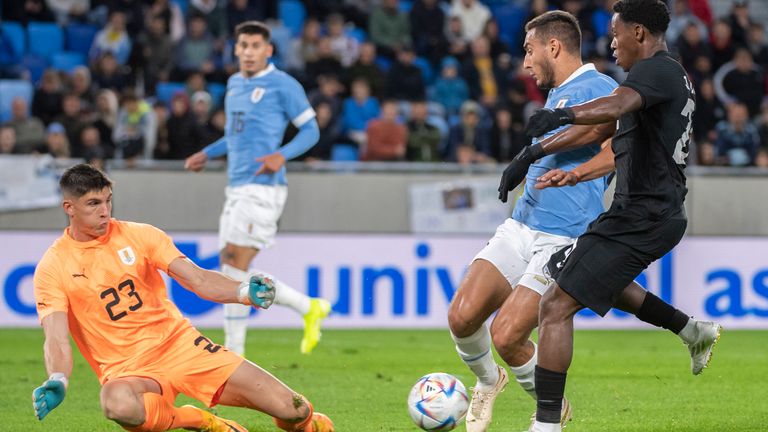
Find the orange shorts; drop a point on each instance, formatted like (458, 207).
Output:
(192, 365)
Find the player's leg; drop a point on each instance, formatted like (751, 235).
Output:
(140, 404)
(252, 387)
(699, 336)
(234, 263)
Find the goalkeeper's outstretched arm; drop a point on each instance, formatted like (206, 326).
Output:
(58, 364)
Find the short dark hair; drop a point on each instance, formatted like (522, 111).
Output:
(253, 28)
(560, 25)
(652, 14)
(83, 178)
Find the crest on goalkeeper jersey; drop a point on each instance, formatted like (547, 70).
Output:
(126, 255)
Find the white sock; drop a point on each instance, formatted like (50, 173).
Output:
(235, 315)
(525, 374)
(546, 427)
(689, 333)
(287, 296)
(475, 351)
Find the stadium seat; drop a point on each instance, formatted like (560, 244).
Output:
(80, 37)
(384, 63)
(67, 60)
(292, 13)
(281, 38)
(165, 90)
(405, 5)
(14, 33)
(217, 91)
(36, 65)
(344, 153)
(183, 6)
(11, 89)
(511, 19)
(45, 39)
(357, 33)
(427, 72)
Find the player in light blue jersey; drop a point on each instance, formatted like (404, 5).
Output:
(259, 103)
(508, 274)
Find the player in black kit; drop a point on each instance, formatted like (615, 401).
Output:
(647, 219)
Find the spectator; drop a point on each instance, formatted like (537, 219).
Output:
(242, 10)
(134, 13)
(183, 137)
(427, 21)
(131, 128)
(56, 143)
(742, 81)
(213, 13)
(458, 47)
(328, 91)
(423, 137)
(473, 16)
(304, 48)
(491, 33)
(105, 117)
(46, 103)
(68, 10)
(450, 90)
(692, 46)
(92, 146)
(358, 109)
(330, 134)
(757, 45)
(507, 138)
(73, 122)
(468, 141)
(740, 22)
(405, 80)
(7, 140)
(25, 11)
(389, 28)
(681, 19)
(706, 152)
(346, 48)
(113, 38)
(157, 53)
(161, 113)
(326, 63)
(196, 51)
(172, 16)
(761, 160)
(737, 138)
(366, 68)
(762, 126)
(709, 112)
(479, 73)
(201, 107)
(386, 137)
(29, 131)
(723, 47)
(109, 75)
(80, 84)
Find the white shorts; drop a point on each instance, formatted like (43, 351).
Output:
(521, 254)
(250, 215)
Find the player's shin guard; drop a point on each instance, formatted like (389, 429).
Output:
(475, 351)
(235, 315)
(161, 416)
(288, 296)
(524, 374)
(301, 426)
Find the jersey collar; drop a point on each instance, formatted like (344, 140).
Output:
(584, 68)
(270, 67)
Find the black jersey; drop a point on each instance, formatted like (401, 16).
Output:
(651, 144)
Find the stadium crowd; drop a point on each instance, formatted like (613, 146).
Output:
(390, 80)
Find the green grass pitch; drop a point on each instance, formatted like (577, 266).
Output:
(619, 381)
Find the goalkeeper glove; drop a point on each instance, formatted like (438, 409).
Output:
(258, 290)
(516, 170)
(49, 395)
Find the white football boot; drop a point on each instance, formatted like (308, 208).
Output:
(481, 406)
(707, 335)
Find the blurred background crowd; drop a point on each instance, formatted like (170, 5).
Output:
(390, 80)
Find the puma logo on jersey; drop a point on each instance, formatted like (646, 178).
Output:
(561, 103)
(126, 255)
(257, 94)
(77, 275)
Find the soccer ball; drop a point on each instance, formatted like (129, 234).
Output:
(438, 402)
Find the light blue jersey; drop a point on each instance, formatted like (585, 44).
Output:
(258, 111)
(566, 211)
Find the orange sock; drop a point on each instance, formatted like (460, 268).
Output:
(162, 416)
(303, 426)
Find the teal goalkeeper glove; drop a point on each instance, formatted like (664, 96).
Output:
(258, 291)
(49, 395)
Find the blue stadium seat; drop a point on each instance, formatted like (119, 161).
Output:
(357, 33)
(14, 33)
(344, 153)
(292, 14)
(427, 72)
(80, 37)
(11, 89)
(45, 39)
(165, 90)
(281, 38)
(217, 91)
(67, 60)
(183, 6)
(36, 65)
(511, 19)
(405, 6)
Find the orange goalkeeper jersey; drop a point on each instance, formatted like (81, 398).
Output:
(119, 313)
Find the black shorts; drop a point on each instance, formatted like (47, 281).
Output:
(606, 259)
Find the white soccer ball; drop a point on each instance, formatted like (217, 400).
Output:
(438, 402)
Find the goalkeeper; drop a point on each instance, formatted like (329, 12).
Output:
(99, 282)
